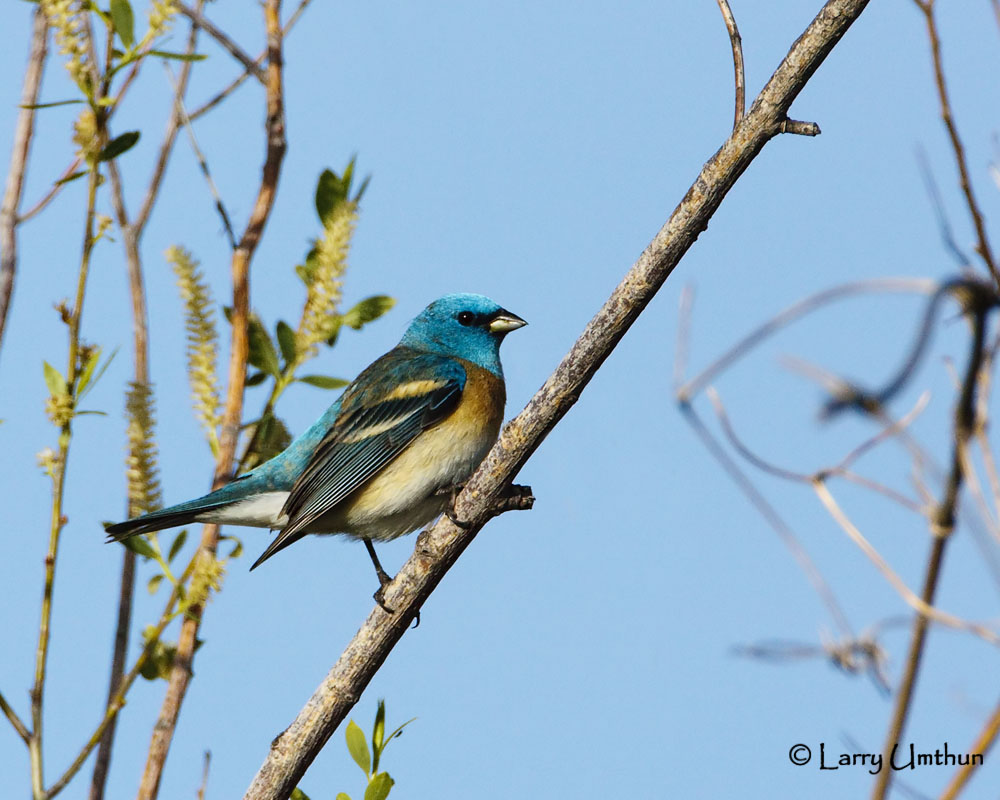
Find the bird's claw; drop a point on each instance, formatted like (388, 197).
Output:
(453, 492)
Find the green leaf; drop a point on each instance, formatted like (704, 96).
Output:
(118, 145)
(330, 192)
(323, 381)
(256, 379)
(177, 544)
(298, 794)
(272, 438)
(286, 341)
(378, 788)
(358, 747)
(237, 550)
(73, 177)
(178, 56)
(362, 188)
(342, 796)
(140, 546)
(262, 352)
(371, 308)
(88, 372)
(50, 105)
(54, 380)
(378, 733)
(124, 21)
(154, 583)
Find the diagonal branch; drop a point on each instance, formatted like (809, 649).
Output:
(438, 548)
(222, 38)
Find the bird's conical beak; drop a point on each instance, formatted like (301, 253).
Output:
(505, 322)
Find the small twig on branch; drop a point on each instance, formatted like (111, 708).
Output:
(737, 43)
(800, 128)
(232, 414)
(222, 38)
(983, 243)
(206, 764)
(439, 547)
(19, 162)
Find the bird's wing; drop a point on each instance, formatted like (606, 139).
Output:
(385, 409)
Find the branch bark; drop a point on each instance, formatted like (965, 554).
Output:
(439, 547)
(239, 349)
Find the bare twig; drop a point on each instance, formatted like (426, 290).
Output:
(737, 43)
(222, 38)
(202, 162)
(439, 547)
(19, 162)
(773, 518)
(942, 525)
(795, 311)
(15, 720)
(239, 349)
(918, 604)
(944, 226)
(983, 243)
(237, 82)
(206, 764)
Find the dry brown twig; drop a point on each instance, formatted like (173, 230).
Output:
(19, 162)
(983, 247)
(232, 414)
(438, 547)
(213, 30)
(737, 44)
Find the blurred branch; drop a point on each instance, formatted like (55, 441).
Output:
(918, 604)
(983, 244)
(983, 744)
(796, 311)
(239, 350)
(737, 44)
(19, 162)
(237, 52)
(438, 547)
(944, 226)
(942, 525)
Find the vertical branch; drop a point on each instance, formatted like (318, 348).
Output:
(131, 235)
(58, 486)
(19, 162)
(239, 350)
(942, 525)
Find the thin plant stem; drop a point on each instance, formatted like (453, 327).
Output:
(58, 486)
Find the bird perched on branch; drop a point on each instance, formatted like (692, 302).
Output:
(385, 458)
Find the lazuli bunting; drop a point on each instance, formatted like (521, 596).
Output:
(385, 457)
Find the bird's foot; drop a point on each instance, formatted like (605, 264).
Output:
(453, 492)
(384, 580)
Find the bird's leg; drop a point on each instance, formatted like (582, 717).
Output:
(453, 491)
(384, 578)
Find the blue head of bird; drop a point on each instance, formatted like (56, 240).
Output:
(469, 326)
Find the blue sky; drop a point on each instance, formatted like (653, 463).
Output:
(529, 152)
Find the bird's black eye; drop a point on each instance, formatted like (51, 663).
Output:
(466, 318)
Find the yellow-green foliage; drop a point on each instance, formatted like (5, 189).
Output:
(202, 340)
(66, 18)
(140, 464)
(328, 263)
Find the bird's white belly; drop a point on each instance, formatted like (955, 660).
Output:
(260, 511)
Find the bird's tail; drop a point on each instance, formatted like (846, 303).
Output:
(181, 514)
